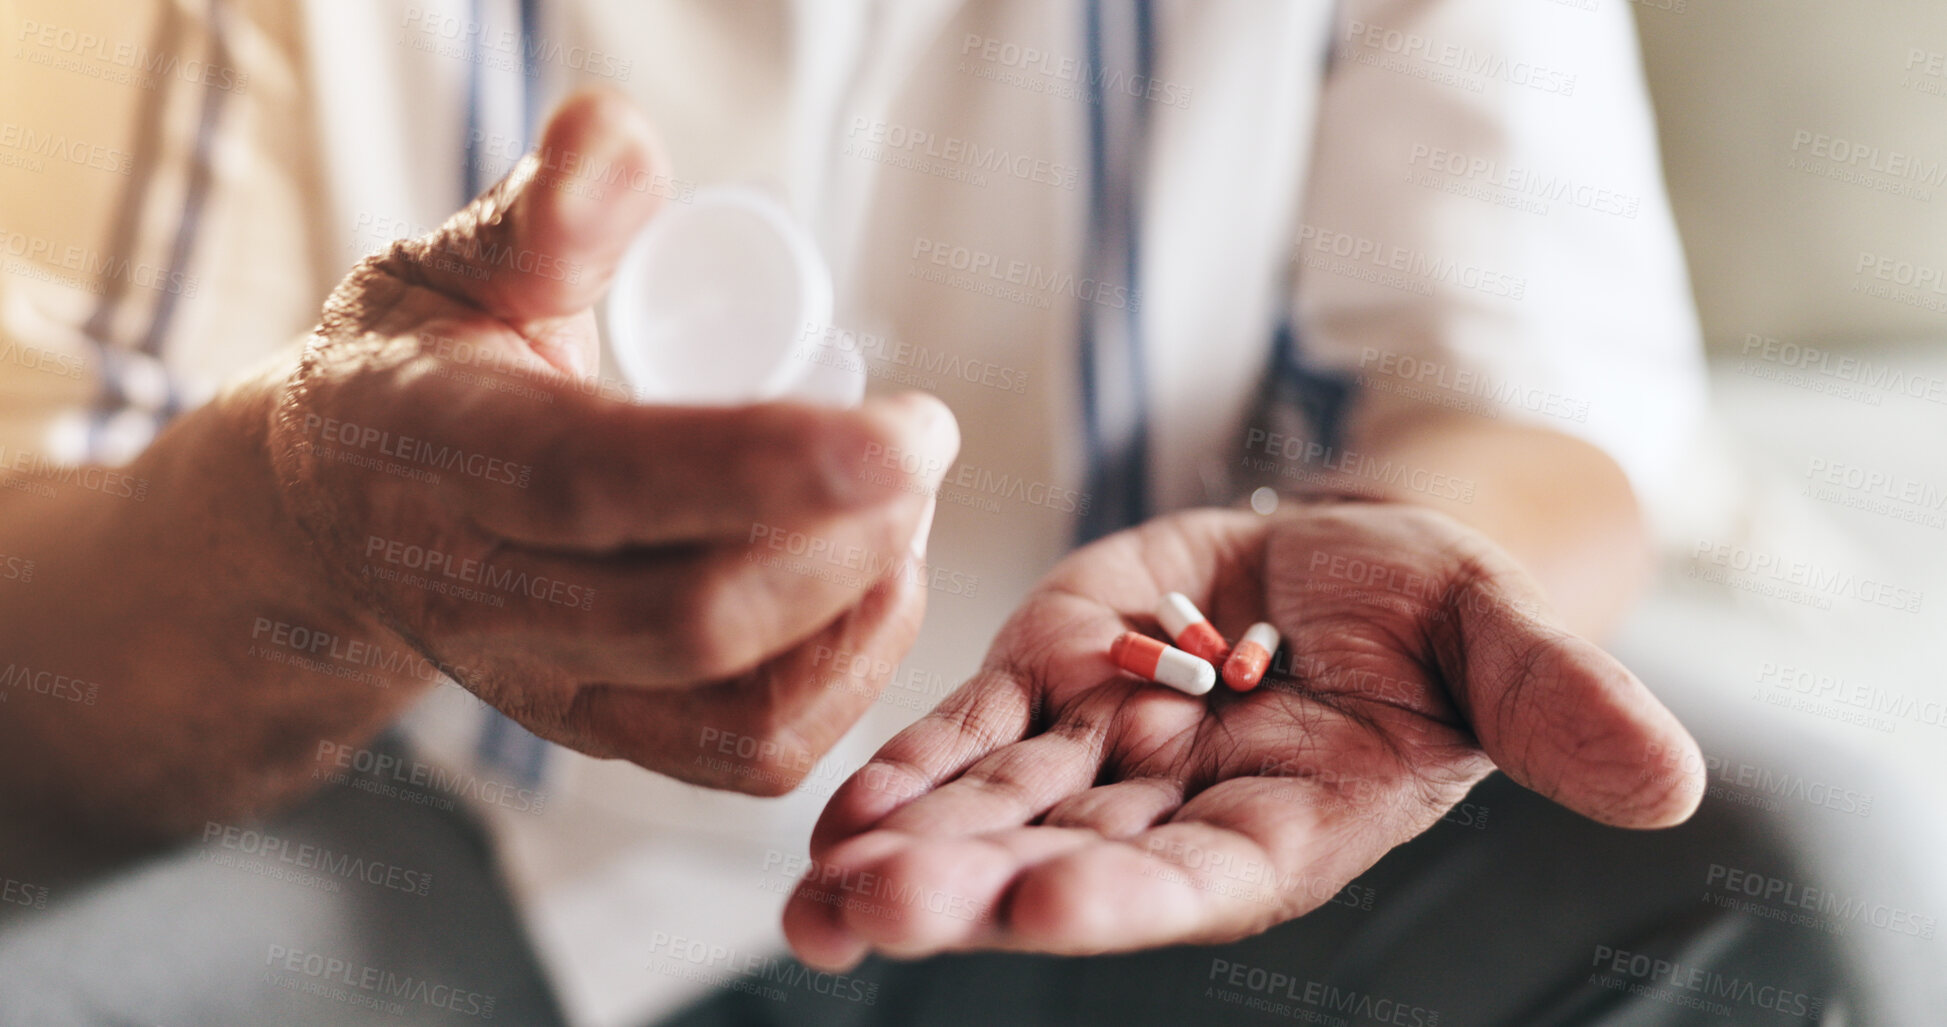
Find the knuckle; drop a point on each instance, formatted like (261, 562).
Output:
(372, 288)
(868, 457)
(782, 774)
(763, 756)
(909, 876)
(708, 626)
(891, 776)
(1006, 788)
(1054, 903)
(889, 530)
(828, 451)
(563, 499)
(773, 451)
(869, 545)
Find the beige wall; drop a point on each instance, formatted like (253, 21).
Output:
(1744, 89)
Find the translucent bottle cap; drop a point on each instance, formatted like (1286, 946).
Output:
(725, 300)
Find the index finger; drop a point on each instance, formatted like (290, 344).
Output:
(798, 704)
(1052, 654)
(1235, 860)
(590, 472)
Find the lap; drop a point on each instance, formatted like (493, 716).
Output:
(1513, 911)
(354, 908)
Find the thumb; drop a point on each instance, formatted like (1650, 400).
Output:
(1564, 718)
(543, 243)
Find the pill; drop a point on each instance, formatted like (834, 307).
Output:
(1188, 628)
(1252, 657)
(1145, 657)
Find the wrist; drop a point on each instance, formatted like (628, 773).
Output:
(219, 475)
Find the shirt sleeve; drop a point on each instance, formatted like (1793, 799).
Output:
(160, 230)
(1486, 226)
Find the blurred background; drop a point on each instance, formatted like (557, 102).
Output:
(1804, 150)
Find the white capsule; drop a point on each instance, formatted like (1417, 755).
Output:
(1189, 628)
(1177, 613)
(1145, 657)
(1188, 674)
(1263, 635)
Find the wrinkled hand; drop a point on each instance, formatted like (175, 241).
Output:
(1056, 804)
(651, 583)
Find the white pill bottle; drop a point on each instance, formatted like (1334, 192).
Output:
(725, 300)
(722, 301)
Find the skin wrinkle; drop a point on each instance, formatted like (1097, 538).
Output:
(1449, 652)
(1008, 788)
(1183, 762)
(1076, 724)
(1616, 802)
(718, 621)
(1514, 702)
(910, 769)
(1208, 728)
(1056, 590)
(1004, 905)
(1404, 765)
(1348, 703)
(1171, 790)
(1300, 684)
(1119, 758)
(1365, 770)
(1075, 727)
(254, 526)
(914, 768)
(353, 336)
(1038, 713)
(295, 459)
(1229, 813)
(778, 717)
(1205, 882)
(981, 721)
(577, 721)
(487, 219)
(793, 747)
(1311, 774)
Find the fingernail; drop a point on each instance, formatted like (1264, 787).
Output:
(841, 463)
(852, 964)
(925, 528)
(854, 952)
(939, 439)
(587, 209)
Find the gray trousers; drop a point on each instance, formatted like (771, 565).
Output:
(1513, 912)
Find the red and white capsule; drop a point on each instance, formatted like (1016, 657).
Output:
(1252, 657)
(1189, 629)
(1145, 657)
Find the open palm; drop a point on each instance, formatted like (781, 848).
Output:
(1056, 804)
